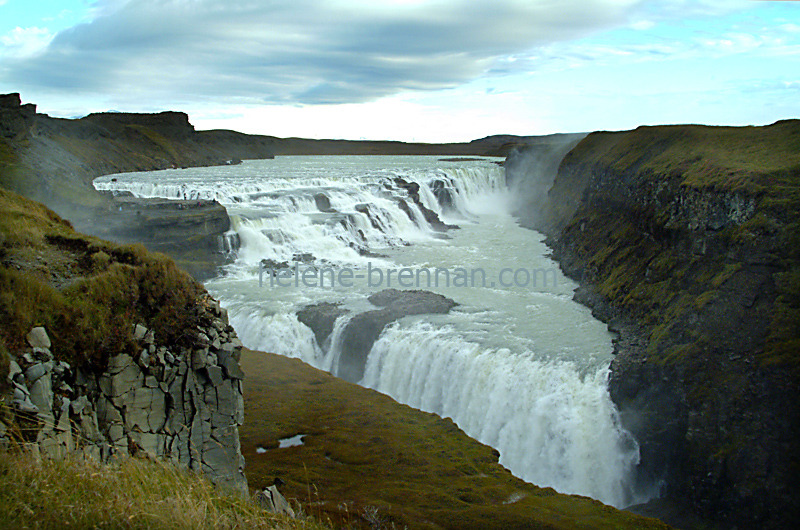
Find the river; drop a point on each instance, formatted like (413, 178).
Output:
(517, 364)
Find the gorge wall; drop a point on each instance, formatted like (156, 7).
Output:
(685, 241)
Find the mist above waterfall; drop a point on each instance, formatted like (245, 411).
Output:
(530, 172)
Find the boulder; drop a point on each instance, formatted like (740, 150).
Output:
(42, 354)
(41, 392)
(412, 302)
(271, 500)
(231, 366)
(139, 332)
(22, 401)
(13, 370)
(36, 371)
(323, 203)
(38, 338)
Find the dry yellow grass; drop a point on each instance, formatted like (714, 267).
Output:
(127, 493)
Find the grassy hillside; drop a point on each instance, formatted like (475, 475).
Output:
(749, 159)
(661, 263)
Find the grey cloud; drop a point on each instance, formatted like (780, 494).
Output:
(304, 51)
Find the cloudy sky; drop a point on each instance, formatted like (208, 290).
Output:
(425, 70)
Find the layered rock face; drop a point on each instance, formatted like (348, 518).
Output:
(54, 161)
(184, 406)
(191, 232)
(685, 241)
(169, 124)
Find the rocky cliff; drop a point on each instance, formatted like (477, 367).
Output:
(54, 161)
(15, 118)
(108, 349)
(685, 240)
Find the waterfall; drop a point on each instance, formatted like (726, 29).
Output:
(553, 426)
(521, 370)
(332, 218)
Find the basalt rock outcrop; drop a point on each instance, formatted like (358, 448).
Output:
(183, 405)
(108, 349)
(431, 217)
(362, 330)
(15, 118)
(192, 232)
(685, 240)
(321, 318)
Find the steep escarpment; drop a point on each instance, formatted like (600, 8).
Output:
(108, 349)
(685, 240)
(55, 160)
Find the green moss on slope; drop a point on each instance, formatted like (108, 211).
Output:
(747, 159)
(684, 278)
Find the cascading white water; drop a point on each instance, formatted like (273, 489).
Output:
(520, 367)
(541, 415)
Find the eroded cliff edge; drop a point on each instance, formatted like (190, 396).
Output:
(686, 241)
(54, 161)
